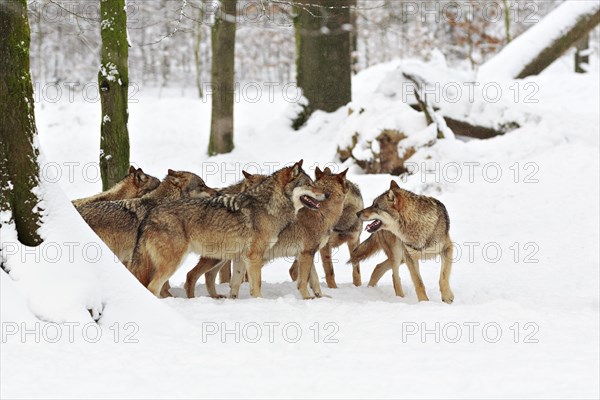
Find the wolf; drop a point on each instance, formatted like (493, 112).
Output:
(347, 230)
(135, 184)
(116, 222)
(239, 227)
(409, 228)
(224, 271)
(300, 240)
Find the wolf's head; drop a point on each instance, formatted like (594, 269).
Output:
(335, 186)
(299, 187)
(385, 210)
(190, 184)
(141, 182)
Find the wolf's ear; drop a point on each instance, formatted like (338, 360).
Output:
(140, 176)
(318, 173)
(391, 196)
(394, 185)
(246, 174)
(342, 179)
(327, 171)
(132, 169)
(296, 169)
(171, 172)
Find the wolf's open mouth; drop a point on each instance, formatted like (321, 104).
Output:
(310, 202)
(374, 226)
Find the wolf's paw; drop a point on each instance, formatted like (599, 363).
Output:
(448, 298)
(331, 285)
(218, 296)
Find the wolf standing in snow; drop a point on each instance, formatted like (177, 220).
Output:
(346, 230)
(236, 227)
(301, 239)
(409, 228)
(116, 222)
(135, 184)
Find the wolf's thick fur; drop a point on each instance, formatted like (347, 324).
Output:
(135, 184)
(409, 228)
(241, 226)
(116, 222)
(300, 239)
(207, 265)
(347, 230)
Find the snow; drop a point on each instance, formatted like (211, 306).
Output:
(527, 260)
(519, 53)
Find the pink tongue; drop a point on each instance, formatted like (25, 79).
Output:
(370, 225)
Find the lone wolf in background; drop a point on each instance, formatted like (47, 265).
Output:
(409, 228)
(135, 184)
(116, 222)
(235, 227)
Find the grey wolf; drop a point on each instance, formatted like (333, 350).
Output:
(135, 184)
(302, 238)
(347, 230)
(231, 227)
(116, 222)
(409, 228)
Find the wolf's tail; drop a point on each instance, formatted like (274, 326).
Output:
(366, 249)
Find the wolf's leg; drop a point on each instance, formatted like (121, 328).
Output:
(353, 243)
(166, 261)
(305, 262)
(447, 295)
(313, 280)
(225, 273)
(204, 264)
(164, 292)
(325, 253)
(210, 278)
(379, 271)
(255, 263)
(396, 257)
(294, 271)
(239, 270)
(415, 275)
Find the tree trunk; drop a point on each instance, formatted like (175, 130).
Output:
(582, 57)
(113, 81)
(323, 58)
(223, 74)
(197, 54)
(19, 169)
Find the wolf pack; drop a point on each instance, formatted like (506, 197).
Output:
(151, 225)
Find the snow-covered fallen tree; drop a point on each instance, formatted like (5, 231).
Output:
(543, 43)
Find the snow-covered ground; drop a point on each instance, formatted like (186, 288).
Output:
(524, 215)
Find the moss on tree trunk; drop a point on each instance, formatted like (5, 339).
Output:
(19, 169)
(223, 74)
(324, 56)
(113, 81)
